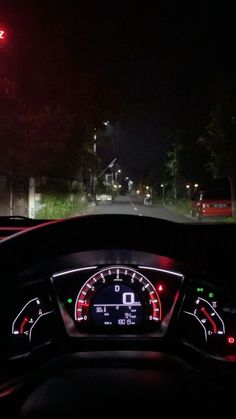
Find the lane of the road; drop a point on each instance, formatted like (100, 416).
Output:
(133, 205)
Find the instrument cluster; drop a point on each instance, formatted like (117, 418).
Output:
(116, 298)
(118, 301)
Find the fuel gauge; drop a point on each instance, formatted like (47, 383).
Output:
(209, 319)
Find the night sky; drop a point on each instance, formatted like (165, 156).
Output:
(148, 68)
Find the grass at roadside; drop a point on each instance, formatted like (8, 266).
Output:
(157, 200)
(181, 206)
(230, 220)
(61, 206)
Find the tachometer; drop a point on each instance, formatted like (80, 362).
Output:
(117, 297)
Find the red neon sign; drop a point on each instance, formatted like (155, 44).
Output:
(2, 34)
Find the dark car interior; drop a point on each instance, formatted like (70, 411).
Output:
(105, 314)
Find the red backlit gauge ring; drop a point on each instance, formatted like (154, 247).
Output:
(117, 297)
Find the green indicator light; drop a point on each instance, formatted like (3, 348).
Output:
(200, 289)
(69, 300)
(211, 295)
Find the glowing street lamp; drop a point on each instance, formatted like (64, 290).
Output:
(118, 172)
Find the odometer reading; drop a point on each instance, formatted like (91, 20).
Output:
(125, 308)
(117, 297)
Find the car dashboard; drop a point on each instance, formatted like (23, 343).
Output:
(116, 298)
(116, 302)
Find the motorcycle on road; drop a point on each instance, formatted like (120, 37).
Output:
(147, 199)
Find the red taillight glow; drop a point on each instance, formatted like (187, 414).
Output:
(231, 340)
(160, 288)
(2, 34)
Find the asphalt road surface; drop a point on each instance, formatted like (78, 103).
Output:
(134, 205)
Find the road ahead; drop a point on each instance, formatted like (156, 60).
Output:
(133, 205)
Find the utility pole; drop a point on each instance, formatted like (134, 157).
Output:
(94, 177)
(31, 199)
(94, 171)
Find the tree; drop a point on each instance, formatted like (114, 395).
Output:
(173, 163)
(11, 129)
(186, 160)
(47, 139)
(34, 141)
(220, 140)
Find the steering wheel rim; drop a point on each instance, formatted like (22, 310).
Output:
(90, 232)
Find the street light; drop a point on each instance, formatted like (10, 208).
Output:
(130, 185)
(116, 174)
(109, 166)
(163, 192)
(163, 186)
(95, 153)
(95, 143)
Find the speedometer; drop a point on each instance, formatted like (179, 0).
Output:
(117, 297)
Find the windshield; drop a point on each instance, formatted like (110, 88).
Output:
(117, 107)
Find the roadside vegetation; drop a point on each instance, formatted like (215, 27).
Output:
(61, 206)
(181, 206)
(61, 199)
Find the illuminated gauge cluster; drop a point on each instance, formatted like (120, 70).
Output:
(116, 298)
(208, 320)
(32, 320)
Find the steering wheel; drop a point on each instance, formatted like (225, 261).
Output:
(122, 373)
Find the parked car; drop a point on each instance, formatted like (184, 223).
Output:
(103, 198)
(211, 204)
